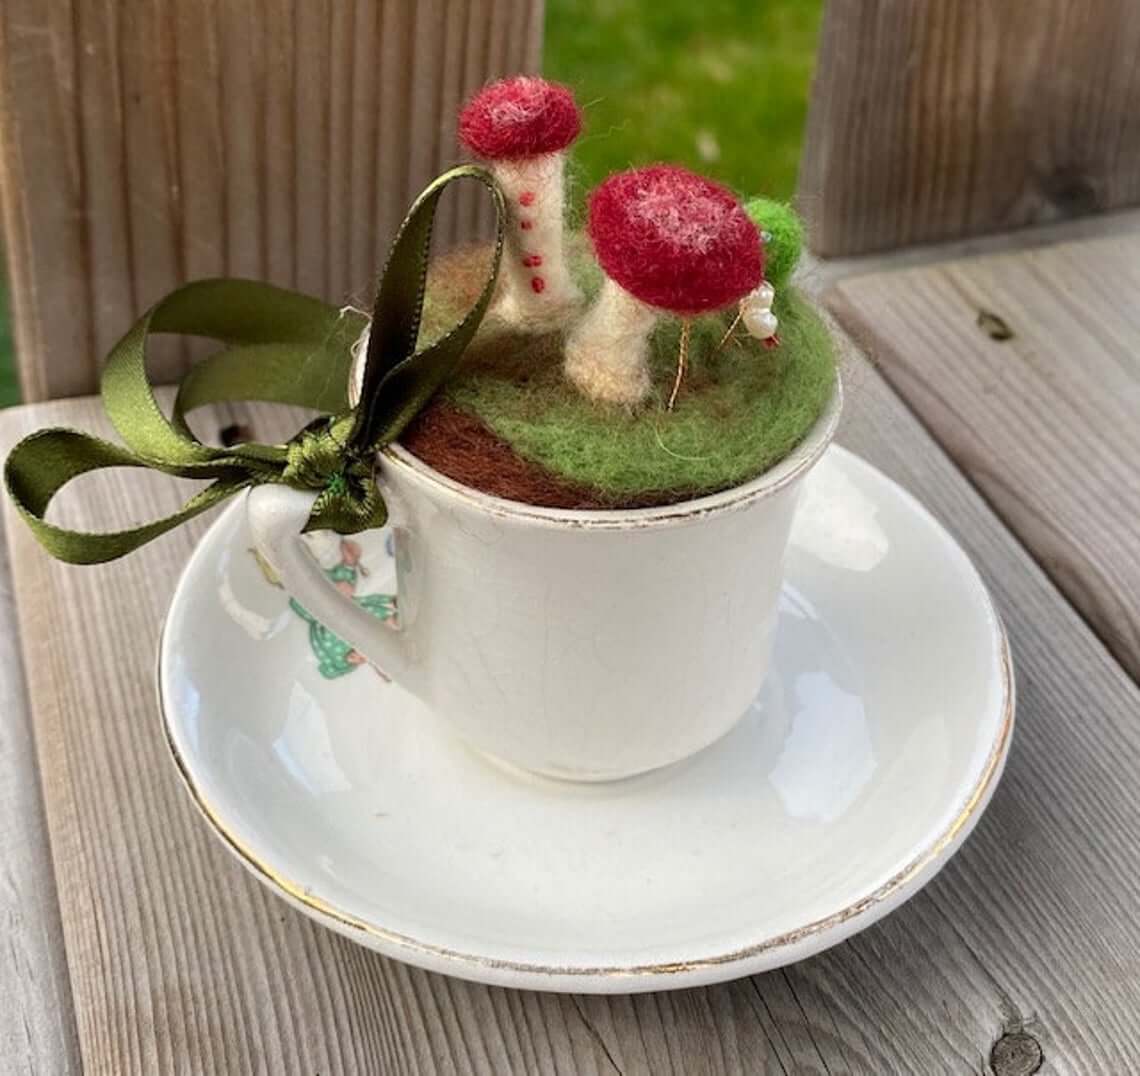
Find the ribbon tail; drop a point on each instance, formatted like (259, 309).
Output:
(42, 464)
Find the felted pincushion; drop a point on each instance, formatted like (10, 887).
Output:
(509, 422)
(563, 397)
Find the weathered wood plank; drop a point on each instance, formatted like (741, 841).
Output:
(147, 142)
(818, 275)
(1034, 915)
(935, 120)
(1027, 368)
(37, 1023)
(180, 962)
(38, 139)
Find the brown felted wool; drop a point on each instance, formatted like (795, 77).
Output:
(458, 445)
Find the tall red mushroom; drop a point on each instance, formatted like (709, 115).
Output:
(669, 241)
(520, 127)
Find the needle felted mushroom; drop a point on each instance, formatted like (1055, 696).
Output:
(520, 128)
(669, 241)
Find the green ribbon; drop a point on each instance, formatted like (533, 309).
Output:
(281, 347)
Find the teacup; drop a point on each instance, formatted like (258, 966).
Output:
(584, 645)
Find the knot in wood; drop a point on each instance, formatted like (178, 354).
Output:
(1073, 193)
(1016, 1054)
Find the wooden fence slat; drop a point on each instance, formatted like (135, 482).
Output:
(147, 142)
(933, 119)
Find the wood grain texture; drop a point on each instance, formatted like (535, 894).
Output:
(818, 275)
(935, 120)
(144, 143)
(180, 962)
(37, 1024)
(1046, 421)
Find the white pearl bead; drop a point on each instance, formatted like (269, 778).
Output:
(761, 296)
(761, 324)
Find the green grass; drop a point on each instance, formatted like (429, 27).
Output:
(719, 85)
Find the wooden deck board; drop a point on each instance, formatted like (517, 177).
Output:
(37, 1023)
(1026, 367)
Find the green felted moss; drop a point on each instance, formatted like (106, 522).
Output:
(741, 409)
(784, 237)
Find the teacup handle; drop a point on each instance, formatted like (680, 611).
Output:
(277, 515)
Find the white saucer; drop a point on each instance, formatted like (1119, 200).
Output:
(869, 756)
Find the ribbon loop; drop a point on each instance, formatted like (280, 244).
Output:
(283, 347)
(396, 320)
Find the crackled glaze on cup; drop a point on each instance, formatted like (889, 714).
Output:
(586, 645)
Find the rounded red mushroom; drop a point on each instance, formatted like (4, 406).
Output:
(519, 117)
(668, 240)
(521, 127)
(675, 240)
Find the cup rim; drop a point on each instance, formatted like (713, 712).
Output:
(791, 468)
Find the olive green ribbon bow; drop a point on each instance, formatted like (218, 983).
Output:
(281, 347)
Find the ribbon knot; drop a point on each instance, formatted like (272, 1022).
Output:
(320, 458)
(281, 347)
(318, 454)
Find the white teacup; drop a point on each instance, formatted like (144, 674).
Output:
(586, 645)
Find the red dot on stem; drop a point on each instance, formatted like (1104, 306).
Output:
(526, 225)
(537, 284)
(527, 198)
(532, 261)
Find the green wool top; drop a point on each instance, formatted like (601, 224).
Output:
(783, 235)
(741, 409)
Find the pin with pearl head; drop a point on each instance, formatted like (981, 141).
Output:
(782, 234)
(755, 311)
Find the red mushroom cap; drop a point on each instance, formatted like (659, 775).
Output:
(519, 117)
(675, 240)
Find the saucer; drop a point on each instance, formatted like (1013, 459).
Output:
(869, 755)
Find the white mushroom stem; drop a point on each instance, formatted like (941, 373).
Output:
(535, 290)
(607, 353)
